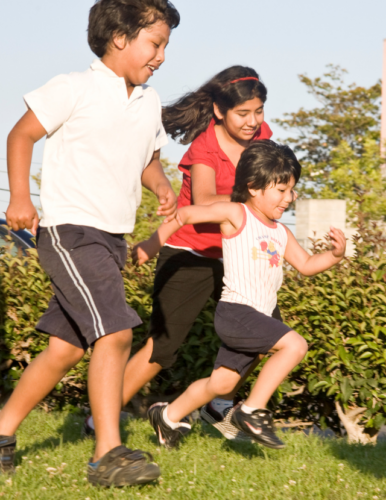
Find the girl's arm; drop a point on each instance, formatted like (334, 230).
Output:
(204, 190)
(308, 265)
(229, 215)
(21, 213)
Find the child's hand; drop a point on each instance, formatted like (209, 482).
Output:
(22, 214)
(338, 241)
(144, 251)
(168, 203)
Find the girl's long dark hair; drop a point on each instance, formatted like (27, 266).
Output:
(191, 115)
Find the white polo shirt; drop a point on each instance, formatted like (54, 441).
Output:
(98, 144)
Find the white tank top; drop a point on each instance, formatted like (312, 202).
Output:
(253, 263)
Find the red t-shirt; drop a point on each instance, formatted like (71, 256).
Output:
(205, 239)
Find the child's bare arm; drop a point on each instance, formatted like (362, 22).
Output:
(314, 264)
(21, 213)
(228, 215)
(154, 179)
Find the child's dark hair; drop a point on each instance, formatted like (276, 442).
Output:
(264, 163)
(191, 114)
(126, 17)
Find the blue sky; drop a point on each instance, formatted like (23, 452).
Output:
(280, 39)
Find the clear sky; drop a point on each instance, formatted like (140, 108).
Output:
(279, 38)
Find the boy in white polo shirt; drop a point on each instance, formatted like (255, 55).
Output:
(104, 134)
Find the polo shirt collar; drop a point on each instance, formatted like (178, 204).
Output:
(212, 142)
(98, 65)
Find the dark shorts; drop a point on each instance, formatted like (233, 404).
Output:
(245, 334)
(84, 265)
(183, 284)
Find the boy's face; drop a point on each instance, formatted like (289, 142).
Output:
(274, 200)
(145, 54)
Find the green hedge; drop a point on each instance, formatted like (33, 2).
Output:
(341, 313)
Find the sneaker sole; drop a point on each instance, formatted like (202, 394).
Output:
(229, 434)
(152, 473)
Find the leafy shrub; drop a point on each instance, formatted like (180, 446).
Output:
(341, 313)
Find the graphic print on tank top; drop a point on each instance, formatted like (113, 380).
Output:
(253, 263)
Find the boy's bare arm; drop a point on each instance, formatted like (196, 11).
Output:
(309, 265)
(154, 179)
(21, 213)
(229, 215)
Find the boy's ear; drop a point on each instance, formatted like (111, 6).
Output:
(119, 41)
(217, 112)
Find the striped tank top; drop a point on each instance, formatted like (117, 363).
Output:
(253, 263)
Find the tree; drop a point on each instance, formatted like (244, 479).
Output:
(338, 142)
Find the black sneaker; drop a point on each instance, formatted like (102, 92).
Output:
(7, 454)
(123, 467)
(259, 426)
(167, 436)
(222, 422)
(87, 430)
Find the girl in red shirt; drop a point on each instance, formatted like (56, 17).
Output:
(220, 119)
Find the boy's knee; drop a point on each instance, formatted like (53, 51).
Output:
(63, 353)
(222, 385)
(301, 347)
(120, 340)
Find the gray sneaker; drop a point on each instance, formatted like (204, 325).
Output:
(222, 422)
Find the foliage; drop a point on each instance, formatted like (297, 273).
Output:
(342, 314)
(344, 127)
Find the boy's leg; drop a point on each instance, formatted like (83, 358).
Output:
(288, 353)
(38, 380)
(105, 384)
(165, 419)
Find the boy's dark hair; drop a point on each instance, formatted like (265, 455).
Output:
(126, 17)
(264, 163)
(192, 113)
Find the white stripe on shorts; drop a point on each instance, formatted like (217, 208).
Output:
(78, 281)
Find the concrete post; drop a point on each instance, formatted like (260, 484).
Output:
(315, 217)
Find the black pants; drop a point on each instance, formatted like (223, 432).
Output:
(183, 284)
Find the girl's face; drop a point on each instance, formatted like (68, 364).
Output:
(242, 121)
(273, 201)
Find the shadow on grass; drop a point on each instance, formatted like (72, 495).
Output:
(247, 450)
(367, 459)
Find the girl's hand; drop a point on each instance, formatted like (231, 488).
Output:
(144, 251)
(338, 241)
(22, 214)
(168, 203)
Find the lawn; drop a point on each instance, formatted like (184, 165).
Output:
(52, 459)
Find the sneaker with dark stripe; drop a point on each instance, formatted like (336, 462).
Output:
(222, 422)
(7, 454)
(259, 426)
(166, 436)
(123, 467)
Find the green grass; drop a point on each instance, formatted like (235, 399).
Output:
(206, 467)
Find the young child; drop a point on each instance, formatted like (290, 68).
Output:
(104, 134)
(221, 119)
(254, 246)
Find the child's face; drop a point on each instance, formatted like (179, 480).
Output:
(145, 54)
(243, 121)
(274, 200)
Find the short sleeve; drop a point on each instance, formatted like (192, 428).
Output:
(53, 103)
(198, 154)
(161, 138)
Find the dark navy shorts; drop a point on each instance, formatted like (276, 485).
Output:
(245, 333)
(84, 265)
